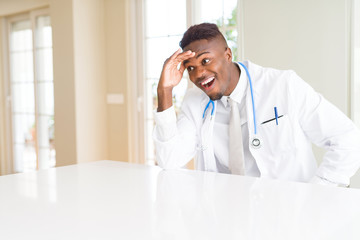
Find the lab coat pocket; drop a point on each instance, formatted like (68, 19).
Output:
(277, 139)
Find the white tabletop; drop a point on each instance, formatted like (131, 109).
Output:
(114, 200)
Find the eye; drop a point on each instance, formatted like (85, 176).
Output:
(205, 61)
(190, 69)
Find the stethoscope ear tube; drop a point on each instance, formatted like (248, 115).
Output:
(252, 96)
(255, 142)
(207, 106)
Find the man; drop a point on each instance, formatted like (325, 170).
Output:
(245, 119)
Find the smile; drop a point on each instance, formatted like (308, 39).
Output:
(207, 83)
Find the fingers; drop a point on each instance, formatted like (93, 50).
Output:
(182, 68)
(184, 56)
(179, 56)
(175, 54)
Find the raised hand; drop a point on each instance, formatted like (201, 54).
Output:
(170, 77)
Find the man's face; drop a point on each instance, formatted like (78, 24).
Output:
(210, 68)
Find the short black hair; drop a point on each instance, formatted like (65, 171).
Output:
(200, 31)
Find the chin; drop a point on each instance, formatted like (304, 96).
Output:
(216, 96)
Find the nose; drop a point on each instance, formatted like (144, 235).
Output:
(199, 73)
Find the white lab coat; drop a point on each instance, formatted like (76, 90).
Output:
(286, 151)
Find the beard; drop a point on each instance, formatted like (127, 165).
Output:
(219, 94)
(216, 96)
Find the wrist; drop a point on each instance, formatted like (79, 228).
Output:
(164, 91)
(164, 98)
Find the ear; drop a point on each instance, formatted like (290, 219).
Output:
(228, 54)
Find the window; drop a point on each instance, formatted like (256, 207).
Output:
(225, 14)
(31, 87)
(162, 37)
(165, 23)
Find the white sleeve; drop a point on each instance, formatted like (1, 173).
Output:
(175, 139)
(165, 124)
(326, 126)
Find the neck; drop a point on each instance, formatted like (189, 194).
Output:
(234, 78)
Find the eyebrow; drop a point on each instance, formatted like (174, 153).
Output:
(201, 54)
(186, 61)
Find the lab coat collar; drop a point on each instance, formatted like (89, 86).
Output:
(239, 92)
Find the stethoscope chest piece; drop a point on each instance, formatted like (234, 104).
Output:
(255, 143)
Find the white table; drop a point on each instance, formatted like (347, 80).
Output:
(114, 200)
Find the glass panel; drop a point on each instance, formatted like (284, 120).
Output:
(157, 51)
(151, 92)
(21, 36)
(223, 13)
(165, 17)
(28, 157)
(21, 66)
(24, 128)
(150, 148)
(45, 131)
(45, 92)
(44, 158)
(46, 98)
(43, 32)
(24, 157)
(52, 161)
(230, 10)
(232, 36)
(179, 93)
(23, 98)
(165, 22)
(44, 66)
(211, 11)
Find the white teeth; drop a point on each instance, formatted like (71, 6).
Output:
(207, 81)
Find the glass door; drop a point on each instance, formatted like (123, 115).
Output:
(32, 92)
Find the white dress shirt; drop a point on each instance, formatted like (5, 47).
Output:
(221, 129)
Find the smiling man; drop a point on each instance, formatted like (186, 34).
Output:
(245, 119)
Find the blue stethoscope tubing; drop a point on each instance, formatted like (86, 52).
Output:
(252, 95)
(256, 141)
(207, 106)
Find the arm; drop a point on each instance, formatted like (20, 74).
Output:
(327, 127)
(174, 140)
(171, 77)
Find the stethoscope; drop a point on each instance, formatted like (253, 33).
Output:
(255, 142)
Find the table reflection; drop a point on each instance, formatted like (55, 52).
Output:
(191, 204)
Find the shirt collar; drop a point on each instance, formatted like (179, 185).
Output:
(239, 92)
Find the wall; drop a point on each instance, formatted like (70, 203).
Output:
(64, 81)
(2, 107)
(116, 69)
(90, 80)
(8, 7)
(89, 62)
(291, 35)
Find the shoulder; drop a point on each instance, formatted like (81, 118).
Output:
(268, 74)
(194, 94)
(267, 78)
(193, 103)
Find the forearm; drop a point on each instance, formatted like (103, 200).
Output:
(164, 98)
